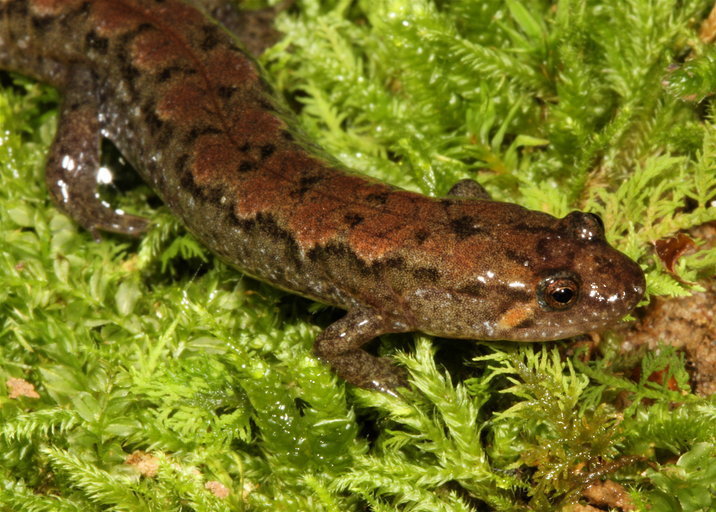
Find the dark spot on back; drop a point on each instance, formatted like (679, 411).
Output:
(211, 38)
(127, 70)
(236, 220)
(129, 75)
(321, 256)
(267, 150)
(186, 178)
(269, 225)
(246, 166)
(353, 219)
(426, 274)
(447, 203)
(310, 180)
(69, 20)
(472, 289)
(198, 131)
(226, 92)
(213, 194)
(397, 262)
(464, 227)
(209, 130)
(152, 120)
(377, 198)
(42, 23)
(287, 135)
(421, 235)
(306, 183)
(96, 43)
(166, 73)
(164, 136)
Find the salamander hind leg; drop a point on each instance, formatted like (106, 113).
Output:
(73, 162)
(339, 346)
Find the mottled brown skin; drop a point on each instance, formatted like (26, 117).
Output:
(188, 108)
(254, 28)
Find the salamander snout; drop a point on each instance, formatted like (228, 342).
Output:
(617, 292)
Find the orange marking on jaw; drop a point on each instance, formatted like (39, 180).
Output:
(514, 316)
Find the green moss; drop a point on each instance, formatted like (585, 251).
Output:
(157, 346)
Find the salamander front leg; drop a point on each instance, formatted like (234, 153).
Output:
(73, 162)
(339, 346)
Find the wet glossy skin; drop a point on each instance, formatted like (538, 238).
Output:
(189, 110)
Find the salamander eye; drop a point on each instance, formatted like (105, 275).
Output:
(558, 292)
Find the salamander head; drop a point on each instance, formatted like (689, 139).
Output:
(583, 285)
(546, 279)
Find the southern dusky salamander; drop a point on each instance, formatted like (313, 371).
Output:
(187, 107)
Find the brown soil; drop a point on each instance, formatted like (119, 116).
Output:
(688, 323)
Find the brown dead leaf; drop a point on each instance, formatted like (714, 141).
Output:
(21, 387)
(217, 489)
(671, 249)
(707, 33)
(580, 508)
(146, 463)
(610, 494)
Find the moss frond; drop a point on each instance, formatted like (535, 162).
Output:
(155, 346)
